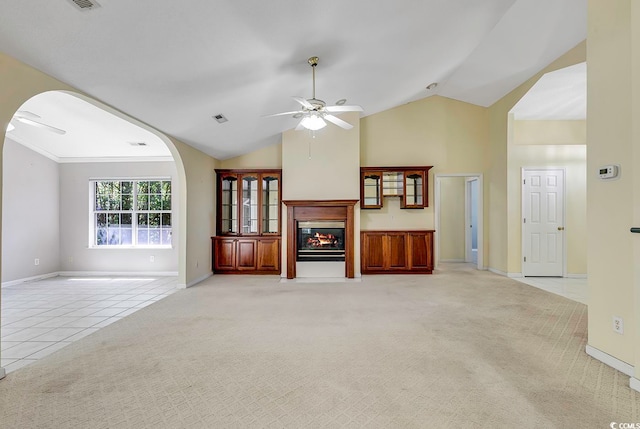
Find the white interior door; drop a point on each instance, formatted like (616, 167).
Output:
(543, 223)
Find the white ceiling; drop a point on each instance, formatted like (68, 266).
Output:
(91, 132)
(175, 64)
(561, 94)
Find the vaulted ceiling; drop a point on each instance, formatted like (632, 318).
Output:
(174, 65)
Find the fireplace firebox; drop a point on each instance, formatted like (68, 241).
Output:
(320, 241)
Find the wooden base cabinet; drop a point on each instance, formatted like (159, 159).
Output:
(396, 252)
(246, 255)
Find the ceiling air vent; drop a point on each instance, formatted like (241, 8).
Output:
(220, 118)
(86, 4)
(137, 143)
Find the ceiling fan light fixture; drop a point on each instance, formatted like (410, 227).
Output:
(313, 122)
(10, 127)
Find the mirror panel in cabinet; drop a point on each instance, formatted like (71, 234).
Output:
(392, 183)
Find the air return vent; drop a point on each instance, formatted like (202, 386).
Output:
(220, 118)
(86, 4)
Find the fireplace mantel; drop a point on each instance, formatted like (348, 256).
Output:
(308, 210)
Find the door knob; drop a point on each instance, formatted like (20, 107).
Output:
(561, 228)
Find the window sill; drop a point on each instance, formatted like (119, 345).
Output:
(130, 247)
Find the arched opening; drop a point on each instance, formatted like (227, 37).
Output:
(547, 150)
(61, 151)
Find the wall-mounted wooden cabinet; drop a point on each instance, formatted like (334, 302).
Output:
(407, 183)
(396, 252)
(248, 221)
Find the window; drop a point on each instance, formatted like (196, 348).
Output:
(131, 213)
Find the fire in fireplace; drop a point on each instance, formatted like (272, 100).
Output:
(320, 241)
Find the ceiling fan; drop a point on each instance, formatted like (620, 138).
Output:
(315, 112)
(32, 119)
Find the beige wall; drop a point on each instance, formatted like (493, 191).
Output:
(267, 157)
(635, 129)
(550, 132)
(497, 180)
(324, 167)
(452, 218)
(612, 138)
(449, 135)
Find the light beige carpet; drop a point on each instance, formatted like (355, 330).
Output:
(460, 348)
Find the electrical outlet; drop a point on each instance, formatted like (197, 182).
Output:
(618, 325)
(152, 258)
(36, 261)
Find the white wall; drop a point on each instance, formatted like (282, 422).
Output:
(75, 254)
(31, 213)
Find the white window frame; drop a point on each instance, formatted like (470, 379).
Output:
(134, 213)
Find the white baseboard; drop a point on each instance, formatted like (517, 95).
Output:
(118, 273)
(194, 282)
(613, 362)
(515, 275)
(90, 274)
(498, 272)
(576, 276)
(2, 373)
(634, 383)
(29, 279)
(452, 260)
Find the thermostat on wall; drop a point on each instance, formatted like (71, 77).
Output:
(608, 172)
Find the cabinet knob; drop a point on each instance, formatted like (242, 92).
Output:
(561, 228)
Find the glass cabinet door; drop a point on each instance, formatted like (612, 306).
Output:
(270, 203)
(414, 189)
(371, 190)
(229, 205)
(249, 204)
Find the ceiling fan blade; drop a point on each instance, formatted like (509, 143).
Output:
(27, 114)
(336, 109)
(339, 122)
(283, 113)
(304, 103)
(40, 125)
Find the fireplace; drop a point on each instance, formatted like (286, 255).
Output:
(320, 241)
(334, 211)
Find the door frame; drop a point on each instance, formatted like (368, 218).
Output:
(523, 170)
(438, 177)
(468, 238)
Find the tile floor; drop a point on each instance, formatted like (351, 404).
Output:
(574, 289)
(41, 317)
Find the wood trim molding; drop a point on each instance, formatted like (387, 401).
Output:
(296, 211)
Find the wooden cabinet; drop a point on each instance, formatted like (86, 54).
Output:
(248, 222)
(249, 202)
(396, 252)
(246, 255)
(407, 183)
